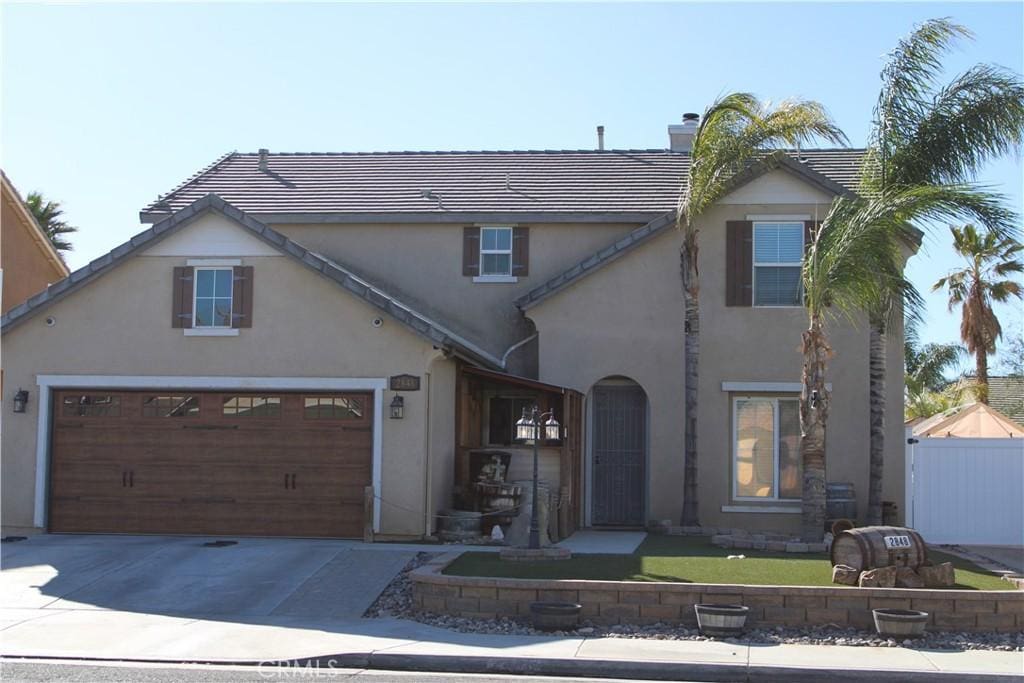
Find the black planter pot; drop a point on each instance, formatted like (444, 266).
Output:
(721, 620)
(554, 616)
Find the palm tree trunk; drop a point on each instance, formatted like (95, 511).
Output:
(981, 356)
(814, 405)
(876, 364)
(691, 336)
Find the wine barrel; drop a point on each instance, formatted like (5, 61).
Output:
(864, 548)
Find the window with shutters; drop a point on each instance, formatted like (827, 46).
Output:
(777, 262)
(495, 251)
(213, 289)
(766, 448)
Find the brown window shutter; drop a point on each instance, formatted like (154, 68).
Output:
(241, 297)
(471, 250)
(521, 250)
(181, 309)
(739, 263)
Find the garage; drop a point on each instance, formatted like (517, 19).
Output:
(167, 461)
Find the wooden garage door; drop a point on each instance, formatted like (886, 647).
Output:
(229, 463)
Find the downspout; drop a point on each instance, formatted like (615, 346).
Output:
(521, 342)
(429, 451)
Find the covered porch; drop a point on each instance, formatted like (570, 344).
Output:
(487, 406)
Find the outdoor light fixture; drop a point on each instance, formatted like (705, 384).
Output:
(397, 407)
(20, 400)
(814, 398)
(528, 430)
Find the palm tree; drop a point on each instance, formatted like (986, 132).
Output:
(926, 388)
(736, 131)
(48, 215)
(927, 133)
(990, 259)
(854, 261)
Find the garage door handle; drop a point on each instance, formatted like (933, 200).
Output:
(124, 479)
(293, 481)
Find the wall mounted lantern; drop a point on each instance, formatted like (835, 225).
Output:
(20, 400)
(397, 407)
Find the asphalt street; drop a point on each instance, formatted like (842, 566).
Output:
(14, 671)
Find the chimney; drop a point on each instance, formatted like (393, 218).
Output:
(600, 137)
(680, 136)
(263, 158)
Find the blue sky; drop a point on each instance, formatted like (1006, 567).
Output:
(106, 106)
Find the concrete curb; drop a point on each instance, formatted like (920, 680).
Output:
(580, 668)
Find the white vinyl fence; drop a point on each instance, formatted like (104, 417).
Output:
(966, 491)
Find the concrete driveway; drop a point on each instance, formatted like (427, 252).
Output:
(1011, 556)
(181, 576)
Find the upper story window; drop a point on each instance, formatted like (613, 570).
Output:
(213, 297)
(778, 257)
(495, 251)
(766, 448)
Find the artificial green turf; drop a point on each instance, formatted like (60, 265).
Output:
(695, 560)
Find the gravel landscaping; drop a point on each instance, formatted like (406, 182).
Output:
(396, 601)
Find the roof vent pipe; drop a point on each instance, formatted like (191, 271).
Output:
(680, 137)
(263, 158)
(600, 137)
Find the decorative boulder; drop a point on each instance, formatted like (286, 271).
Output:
(939, 576)
(882, 577)
(908, 578)
(845, 575)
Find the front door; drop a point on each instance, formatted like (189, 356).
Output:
(619, 453)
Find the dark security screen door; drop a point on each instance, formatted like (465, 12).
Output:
(620, 442)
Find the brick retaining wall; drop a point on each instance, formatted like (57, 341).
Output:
(631, 602)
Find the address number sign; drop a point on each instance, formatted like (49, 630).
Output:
(896, 542)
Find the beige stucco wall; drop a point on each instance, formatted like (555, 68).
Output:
(304, 326)
(626, 319)
(422, 264)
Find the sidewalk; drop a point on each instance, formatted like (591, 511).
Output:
(403, 645)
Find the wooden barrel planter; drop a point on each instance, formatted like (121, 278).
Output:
(554, 616)
(867, 548)
(900, 623)
(458, 525)
(721, 620)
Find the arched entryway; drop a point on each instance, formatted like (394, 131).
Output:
(618, 453)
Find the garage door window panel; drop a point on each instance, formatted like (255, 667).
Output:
(333, 408)
(251, 406)
(170, 406)
(91, 405)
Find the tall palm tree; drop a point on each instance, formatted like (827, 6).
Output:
(854, 261)
(48, 215)
(991, 259)
(925, 132)
(736, 131)
(927, 390)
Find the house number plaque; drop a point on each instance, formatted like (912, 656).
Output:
(897, 542)
(405, 383)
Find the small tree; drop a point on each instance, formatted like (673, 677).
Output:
(990, 260)
(48, 215)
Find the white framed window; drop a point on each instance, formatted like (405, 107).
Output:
(778, 260)
(496, 251)
(766, 448)
(211, 304)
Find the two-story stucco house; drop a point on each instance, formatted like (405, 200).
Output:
(227, 371)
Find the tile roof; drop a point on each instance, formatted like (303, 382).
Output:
(1006, 394)
(431, 330)
(438, 184)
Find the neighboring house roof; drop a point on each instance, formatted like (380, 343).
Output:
(1005, 393)
(970, 421)
(433, 331)
(10, 193)
(565, 185)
